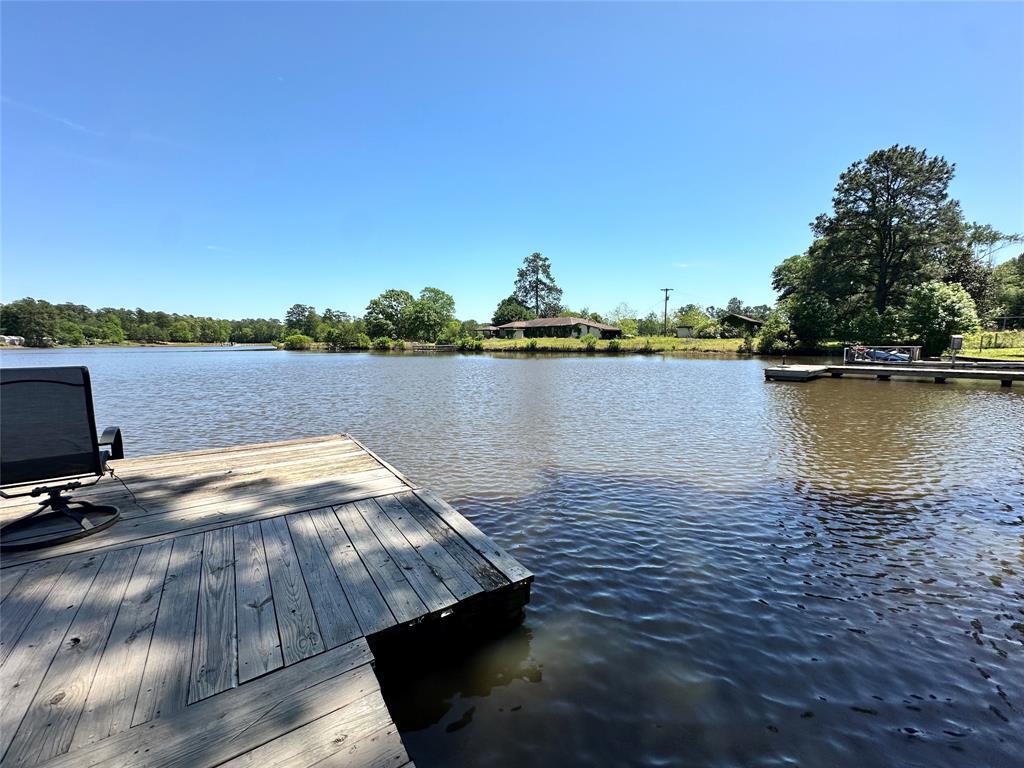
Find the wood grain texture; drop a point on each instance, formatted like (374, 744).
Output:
(475, 564)
(214, 655)
(165, 682)
(368, 605)
(428, 584)
(442, 565)
(300, 635)
(512, 569)
(115, 689)
(29, 660)
(50, 720)
(401, 598)
(238, 720)
(333, 613)
(259, 645)
(21, 606)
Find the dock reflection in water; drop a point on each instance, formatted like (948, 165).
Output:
(728, 572)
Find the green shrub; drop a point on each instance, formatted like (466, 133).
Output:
(935, 310)
(531, 345)
(589, 343)
(398, 345)
(381, 342)
(469, 344)
(298, 341)
(362, 341)
(614, 346)
(774, 334)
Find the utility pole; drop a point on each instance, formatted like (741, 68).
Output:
(664, 319)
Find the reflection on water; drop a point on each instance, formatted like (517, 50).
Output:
(729, 572)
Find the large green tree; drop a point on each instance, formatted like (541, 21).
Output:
(891, 216)
(384, 314)
(425, 318)
(536, 288)
(892, 227)
(511, 309)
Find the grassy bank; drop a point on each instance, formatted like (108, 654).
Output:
(642, 344)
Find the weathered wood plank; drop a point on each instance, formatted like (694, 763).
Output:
(238, 720)
(29, 660)
(300, 635)
(214, 656)
(157, 496)
(23, 603)
(181, 493)
(359, 734)
(366, 601)
(401, 598)
(165, 683)
(479, 568)
(333, 614)
(115, 689)
(49, 722)
(428, 584)
(498, 557)
(9, 579)
(229, 451)
(259, 645)
(252, 507)
(441, 564)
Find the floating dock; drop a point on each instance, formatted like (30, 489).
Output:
(231, 616)
(938, 372)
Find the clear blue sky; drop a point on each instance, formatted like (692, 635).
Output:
(233, 159)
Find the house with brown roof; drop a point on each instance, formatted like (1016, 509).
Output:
(558, 327)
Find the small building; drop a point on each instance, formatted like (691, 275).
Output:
(557, 327)
(486, 331)
(746, 324)
(684, 331)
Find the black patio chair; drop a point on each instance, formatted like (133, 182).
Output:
(48, 447)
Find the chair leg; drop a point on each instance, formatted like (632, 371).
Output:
(89, 519)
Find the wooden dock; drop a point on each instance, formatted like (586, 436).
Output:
(231, 616)
(937, 372)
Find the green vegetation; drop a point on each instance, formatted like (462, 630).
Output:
(536, 288)
(1002, 345)
(298, 341)
(895, 261)
(43, 324)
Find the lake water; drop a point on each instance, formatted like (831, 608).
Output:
(729, 572)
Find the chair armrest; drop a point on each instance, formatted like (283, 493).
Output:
(111, 439)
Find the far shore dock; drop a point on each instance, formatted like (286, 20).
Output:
(937, 371)
(232, 616)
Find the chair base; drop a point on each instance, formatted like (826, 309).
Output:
(88, 519)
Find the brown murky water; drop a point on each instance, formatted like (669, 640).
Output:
(729, 572)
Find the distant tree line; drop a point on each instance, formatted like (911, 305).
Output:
(44, 324)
